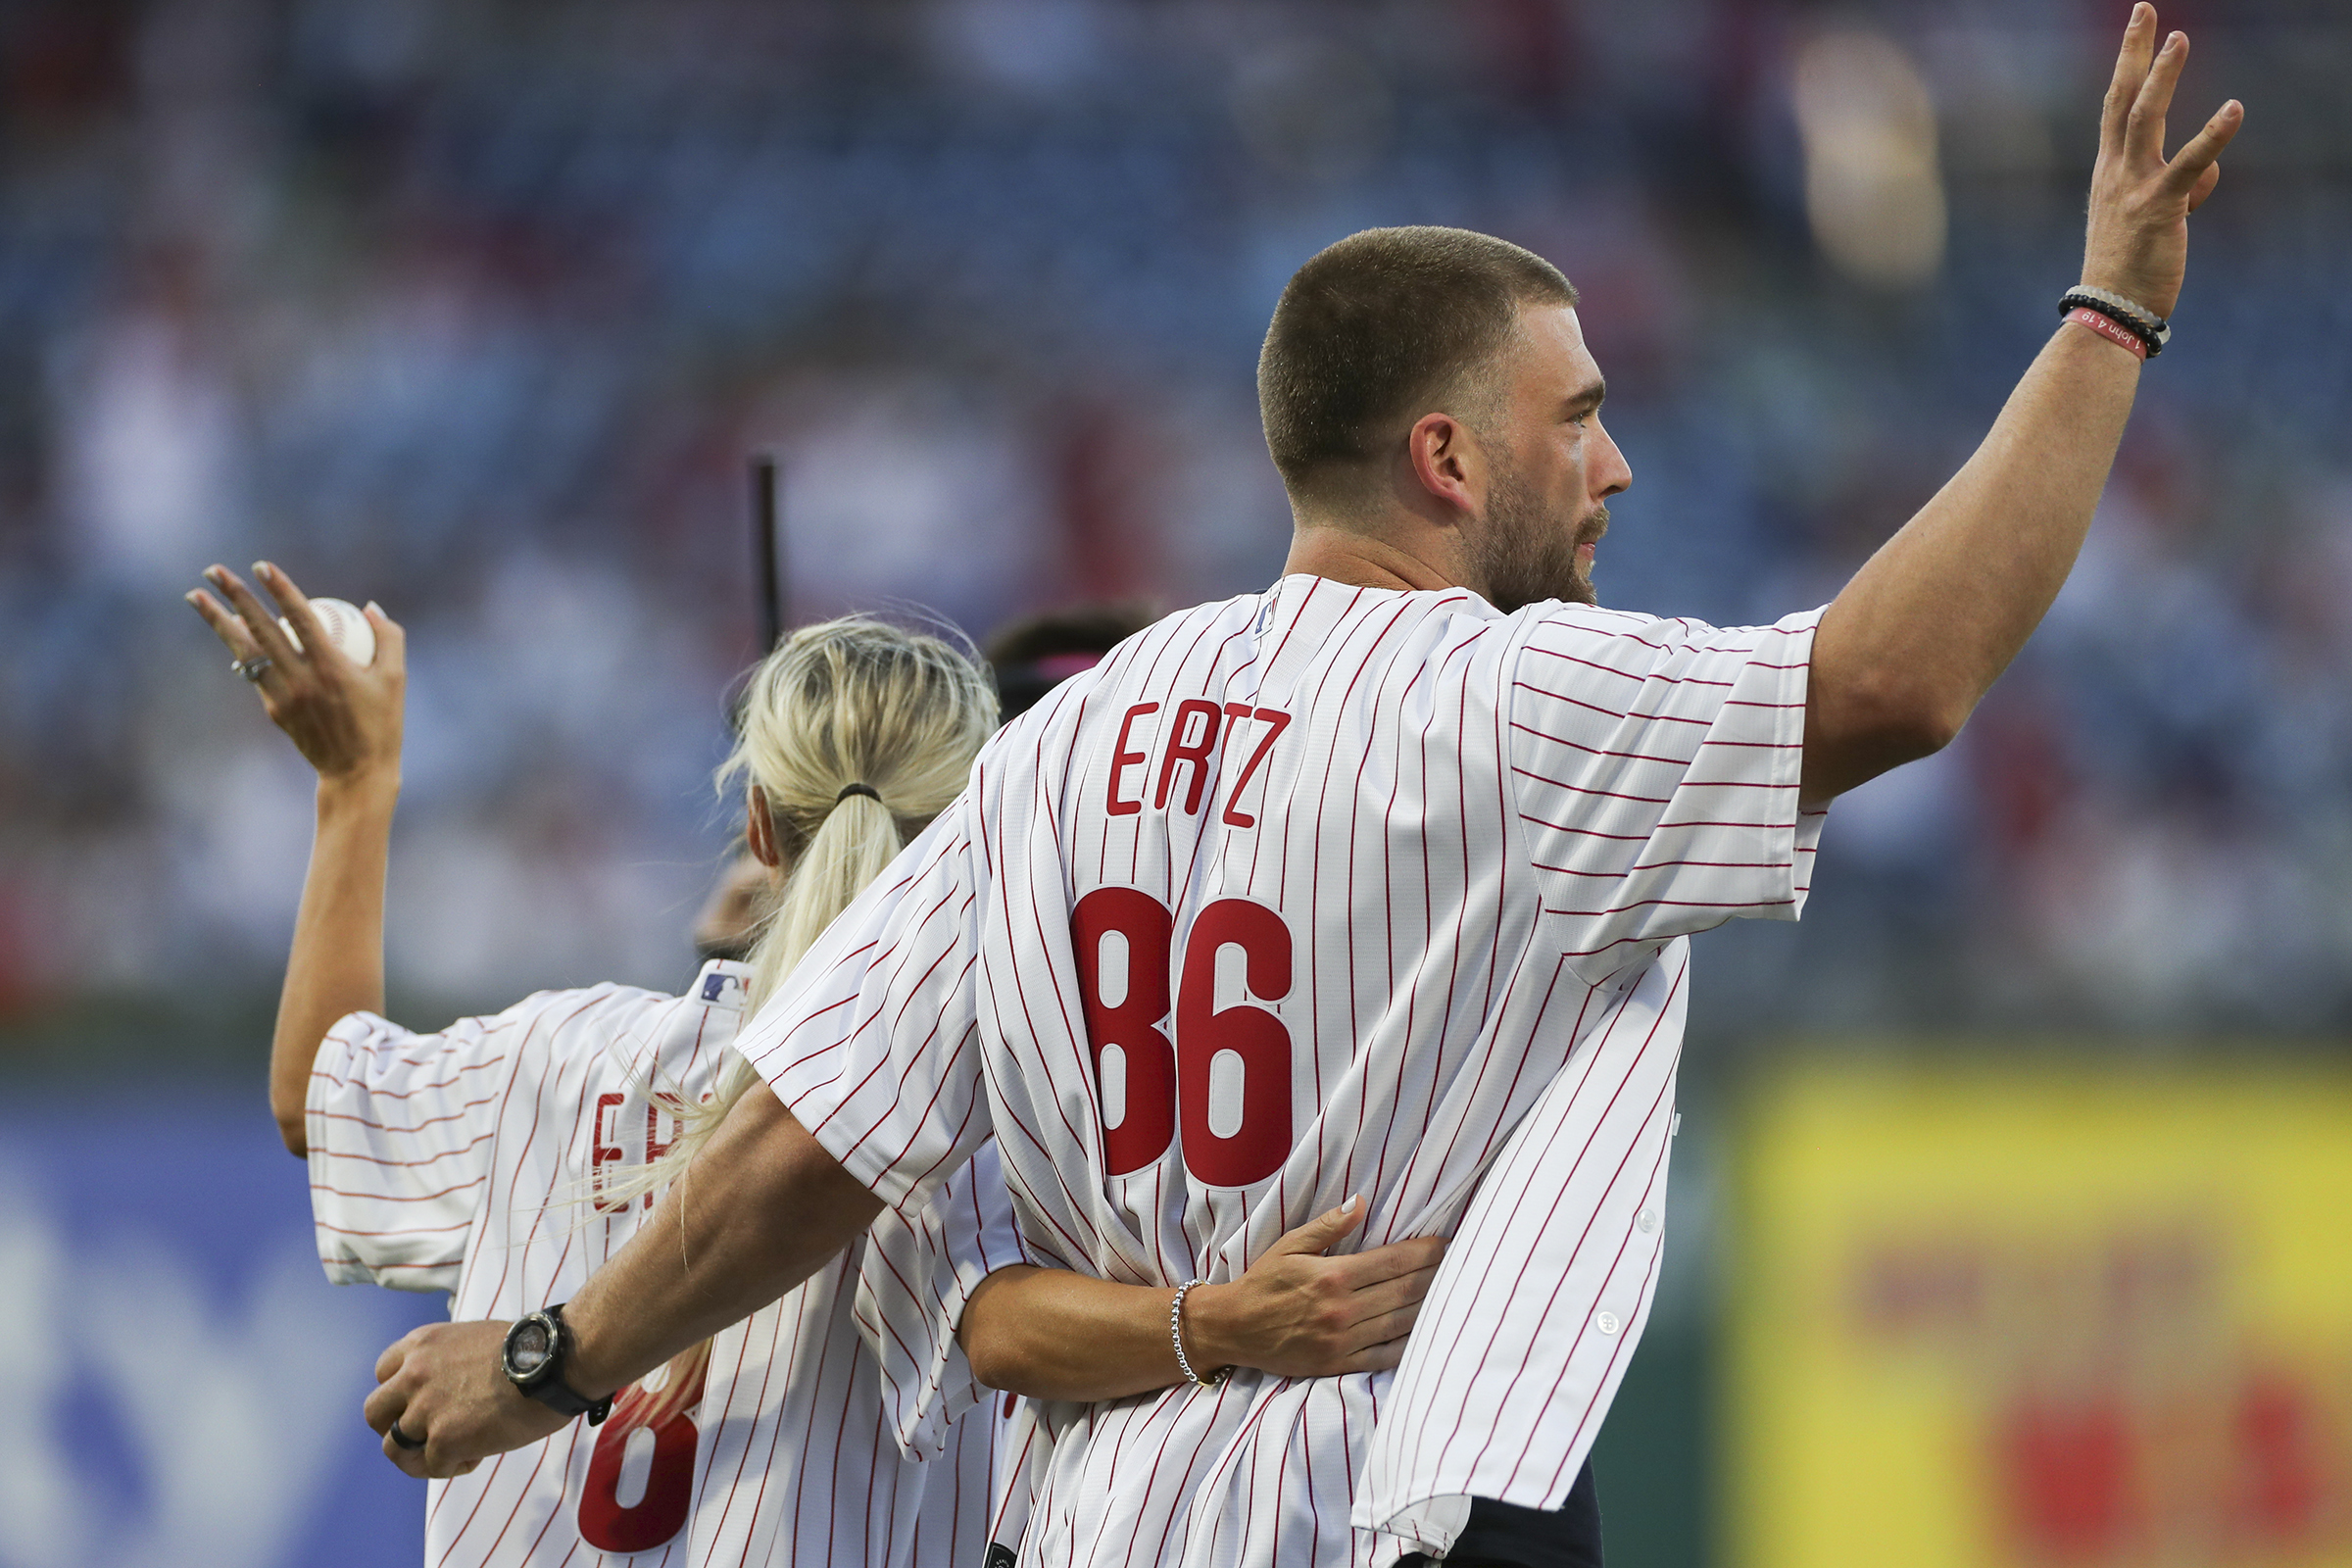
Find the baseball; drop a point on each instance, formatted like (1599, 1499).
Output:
(346, 628)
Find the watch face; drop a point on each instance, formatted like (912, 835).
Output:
(529, 1347)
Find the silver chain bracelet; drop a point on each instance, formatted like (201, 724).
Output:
(1184, 1362)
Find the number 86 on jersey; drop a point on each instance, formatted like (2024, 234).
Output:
(1223, 1083)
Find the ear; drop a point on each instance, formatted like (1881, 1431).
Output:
(759, 830)
(1447, 463)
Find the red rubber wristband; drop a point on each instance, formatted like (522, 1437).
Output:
(2085, 316)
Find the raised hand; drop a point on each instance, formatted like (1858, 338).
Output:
(2137, 240)
(344, 718)
(1298, 1314)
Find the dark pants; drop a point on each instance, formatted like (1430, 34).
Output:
(1501, 1535)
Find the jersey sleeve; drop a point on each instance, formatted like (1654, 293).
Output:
(1655, 764)
(913, 1282)
(872, 1041)
(399, 1127)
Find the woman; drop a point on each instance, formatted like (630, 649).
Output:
(503, 1158)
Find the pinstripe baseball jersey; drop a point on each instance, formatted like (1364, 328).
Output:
(1314, 892)
(475, 1160)
(800, 1470)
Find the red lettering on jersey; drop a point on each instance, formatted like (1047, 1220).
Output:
(655, 1144)
(1148, 1123)
(1121, 757)
(1262, 1139)
(1278, 721)
(1164, 1078)
(602, 1154)
(1194, 749)
(660, 1512)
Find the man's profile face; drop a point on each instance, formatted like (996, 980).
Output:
(1552, 467)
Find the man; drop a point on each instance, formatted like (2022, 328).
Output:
(1376, 882)
(1032, 655)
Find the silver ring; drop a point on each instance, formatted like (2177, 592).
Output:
(251, 668)
(402, 1439)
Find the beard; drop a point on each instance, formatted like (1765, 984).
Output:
(1527, 552)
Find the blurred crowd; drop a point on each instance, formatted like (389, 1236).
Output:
(476, 310)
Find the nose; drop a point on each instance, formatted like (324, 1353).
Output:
(1610, 472)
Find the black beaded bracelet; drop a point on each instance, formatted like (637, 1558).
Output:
(2152, 331)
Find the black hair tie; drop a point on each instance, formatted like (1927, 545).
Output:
(866, 790)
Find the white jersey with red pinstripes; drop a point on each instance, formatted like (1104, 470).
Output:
(470, 1161)
(1527, 1331)
(1311, 892)
(798, 1470)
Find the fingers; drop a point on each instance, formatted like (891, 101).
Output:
(2204, 186)
(408, 1461)
(1377, 1357)
(1374, 1304)
(386, 1408)
(384, 1403)
(1358, 1271)
(226, 625)
(237, 637)
(2130, 70)
(391, 640)
(1322, 1232)
(2144, 132)
(420, 1463)
(259, 624)
(316, 645)
(1390, 1328)
(1417, 1255)
(382, 1412)
(2187, 173)
(387, 1365)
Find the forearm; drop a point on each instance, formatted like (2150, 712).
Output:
(1056, 1335)
(760, 1209)
(336, 966)
(1052, 1334)
(1906, 651)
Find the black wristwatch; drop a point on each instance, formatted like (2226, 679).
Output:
(533, 1360)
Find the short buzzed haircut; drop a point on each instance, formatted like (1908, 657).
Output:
(1379, 323)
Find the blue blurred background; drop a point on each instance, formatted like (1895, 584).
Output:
(475, 309)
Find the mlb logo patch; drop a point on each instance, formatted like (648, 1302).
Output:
(714, 986)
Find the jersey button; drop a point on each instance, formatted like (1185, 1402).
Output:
(1606, 1322)
(1646, 1221)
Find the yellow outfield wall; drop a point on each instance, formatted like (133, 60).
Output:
(2041, 1318)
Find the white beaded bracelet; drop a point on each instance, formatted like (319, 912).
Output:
(1184, 1362)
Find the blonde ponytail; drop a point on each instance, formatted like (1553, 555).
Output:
(855, 735)
(857, 837)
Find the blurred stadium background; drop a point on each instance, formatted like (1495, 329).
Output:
(475, 309)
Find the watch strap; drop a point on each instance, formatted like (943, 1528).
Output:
(546, 1383)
